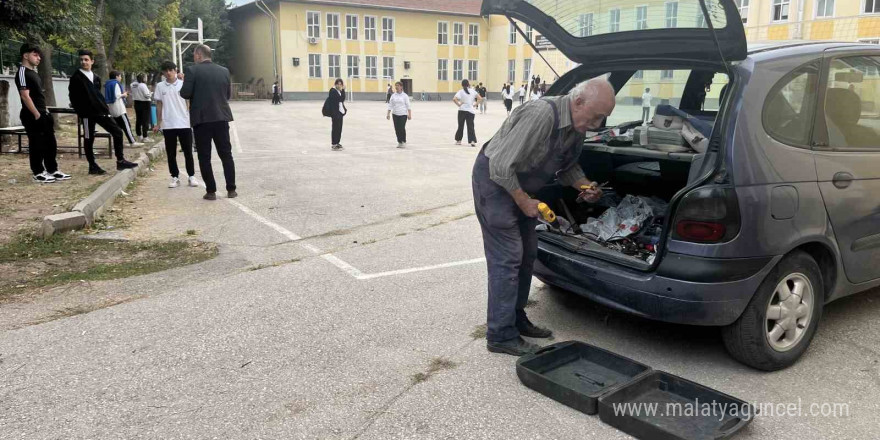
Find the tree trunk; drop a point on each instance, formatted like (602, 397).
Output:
(101, 66)
(114, 43)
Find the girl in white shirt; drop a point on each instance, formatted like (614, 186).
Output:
(467, 99)
(508, 97)
(399, 108)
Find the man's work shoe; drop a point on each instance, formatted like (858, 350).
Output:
(124, 165)
(210, 196)
(530, 330)
(516, 347)
(96, 170)
(231, 194)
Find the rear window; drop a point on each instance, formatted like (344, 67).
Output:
(593, 17)
(791, 104)
(647, 89)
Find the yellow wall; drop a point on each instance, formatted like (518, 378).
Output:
(253, 48)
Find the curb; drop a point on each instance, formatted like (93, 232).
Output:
(92, 207)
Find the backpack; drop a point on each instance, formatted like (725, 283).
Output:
(325, 110)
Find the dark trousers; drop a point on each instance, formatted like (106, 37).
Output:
(522, 99)
(466, 117)
(646, 113)
(508, 103)
(336, 130)
(143, 117)
(399, 127)
(219, 133)
(123, 123)
(42, 145)
(185, 135)
(106, 122)
(511, 246)
(276, 98)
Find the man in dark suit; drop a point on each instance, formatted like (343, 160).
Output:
(207, 86)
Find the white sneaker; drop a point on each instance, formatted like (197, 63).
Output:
(193, 181)
(138, 144)
(400, 145)
(144, 139)
(175, 182)
(58, 175)
(44, 177)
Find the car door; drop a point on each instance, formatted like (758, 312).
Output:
(847, 150)
(591, 31)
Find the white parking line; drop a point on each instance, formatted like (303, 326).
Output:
(338, 262)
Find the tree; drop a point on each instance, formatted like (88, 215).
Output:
(112, 17)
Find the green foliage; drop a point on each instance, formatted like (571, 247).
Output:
(216, 24)
(144, 50)
(37, 19)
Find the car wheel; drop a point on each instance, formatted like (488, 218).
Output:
(779, 323)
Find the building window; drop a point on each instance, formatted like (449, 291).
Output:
(527, 69)
(314, 65)
(333, 26)
(780, 9)
(458, 34)
(351, 27)
(473, 70)
(614, 20)
(511, 71)
(442, 32)
(639, 74)
(387, 29)
(529, 33)
(372, 73)
(442, 70)
(585, 25)
(369, 28)
(457, 67)
(333, 70)
(354, 66)
(641, 18)
(872, 6)
(313, 24)
(671, 15)
(825, 8)
(512, 35)
(667, 74)
(474, 34)
(387, 67)
(743, 6)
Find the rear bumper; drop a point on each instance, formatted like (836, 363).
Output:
(684, 289)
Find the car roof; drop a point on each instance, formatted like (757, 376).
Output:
(763, 50)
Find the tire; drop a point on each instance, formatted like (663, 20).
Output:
(754, 339)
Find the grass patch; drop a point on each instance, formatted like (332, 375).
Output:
(480, 331)
(437, 364)
(190, 232)
(29, 262)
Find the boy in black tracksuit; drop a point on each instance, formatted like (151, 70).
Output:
(86, 99)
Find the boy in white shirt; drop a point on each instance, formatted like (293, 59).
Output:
(172, 117)
(646, 105)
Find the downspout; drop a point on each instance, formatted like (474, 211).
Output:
(272, 23)
(800, 26)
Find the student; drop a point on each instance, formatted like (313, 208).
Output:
(172, 118)
(522, 94)
(113, 95)
(399, 108)
(208, 88)
(466, 99)
(646, 105)
(536, 94)
(508, 98)
(276, 94)
(334, 107)
(86, 100)
(483, 92)
(388, 94)
(37, 121)
(142, 108)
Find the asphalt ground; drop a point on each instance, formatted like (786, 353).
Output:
(342, 276)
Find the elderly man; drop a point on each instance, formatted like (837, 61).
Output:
(538, 143)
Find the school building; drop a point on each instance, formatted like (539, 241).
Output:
(430, 45)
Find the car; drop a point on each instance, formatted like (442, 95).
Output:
(776, 218)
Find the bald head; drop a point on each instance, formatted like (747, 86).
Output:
(591, 102)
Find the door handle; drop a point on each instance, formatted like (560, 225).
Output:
(842, 180)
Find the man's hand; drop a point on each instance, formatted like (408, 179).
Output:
(527, 205)
(409, 117)
(388, 116)
(179, 75)
(37, 115)
(156, 127)
(591, 195)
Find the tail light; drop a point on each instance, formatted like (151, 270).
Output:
(707, 215)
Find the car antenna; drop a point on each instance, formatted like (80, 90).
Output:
(714, 36)
(526, 37)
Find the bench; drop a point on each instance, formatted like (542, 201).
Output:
(17, 130)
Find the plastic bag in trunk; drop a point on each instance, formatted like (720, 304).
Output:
(622, 221)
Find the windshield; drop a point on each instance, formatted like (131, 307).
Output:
(585, 18)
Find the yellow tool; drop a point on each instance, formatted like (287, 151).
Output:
(548, 215)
